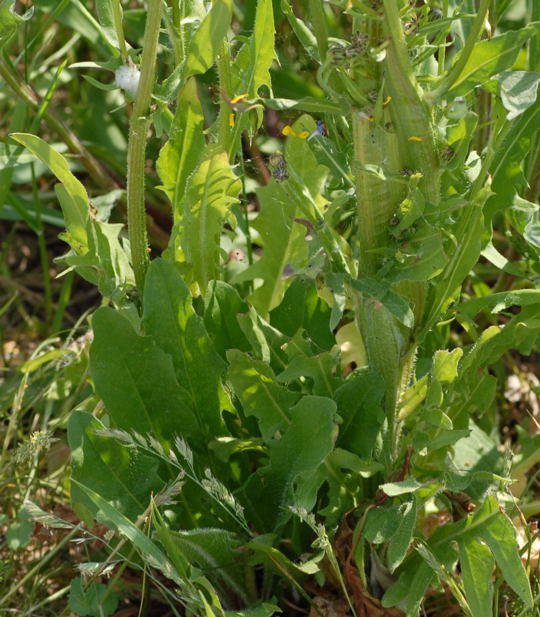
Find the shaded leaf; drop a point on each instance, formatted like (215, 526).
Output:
(123, 476)
(170, 319)
(89, 599)
(302, 307)
(260, 394)
(476, 564)
(136, 381)
(499, 534)
(400, 541)
(222, 306)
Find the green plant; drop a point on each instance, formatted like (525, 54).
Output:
(232, 447)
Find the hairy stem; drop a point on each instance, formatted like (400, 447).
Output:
(138, 130)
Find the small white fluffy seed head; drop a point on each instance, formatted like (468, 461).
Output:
(127, 78)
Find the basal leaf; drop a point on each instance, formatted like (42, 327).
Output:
(359, 403)
(260, 394)
(123, 476)
(500, 535)
(302, 307)
(408, 592)
(320, 368)
(136, 381)
(400, 541)
(180, 156)
(299, 452)
(170, 319)
(476, 562)
(89, 599)
(222, 307)
(393, 489)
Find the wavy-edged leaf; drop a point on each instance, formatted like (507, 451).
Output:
(401, 539)
(251, 68)
(222, 305)
(123, 476)
(295, 457)
(507, 168)
(210, 192)
(136, 381)
(302, 307)
(494, 303)
(284, 246)
(180, 156)
(359, 403)
(261, 395)
(170, 319)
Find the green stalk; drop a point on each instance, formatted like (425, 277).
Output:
(376, 203)
(119, 29)
(458, 66)
(138, 131)
(411, 116)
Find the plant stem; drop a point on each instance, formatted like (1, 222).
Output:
(118, 27)
(138, 129)
(448, 81)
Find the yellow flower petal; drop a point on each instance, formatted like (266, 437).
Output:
(304, 134)
(288, 130)
(231, 120)
(238, 98)
(414, 138)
